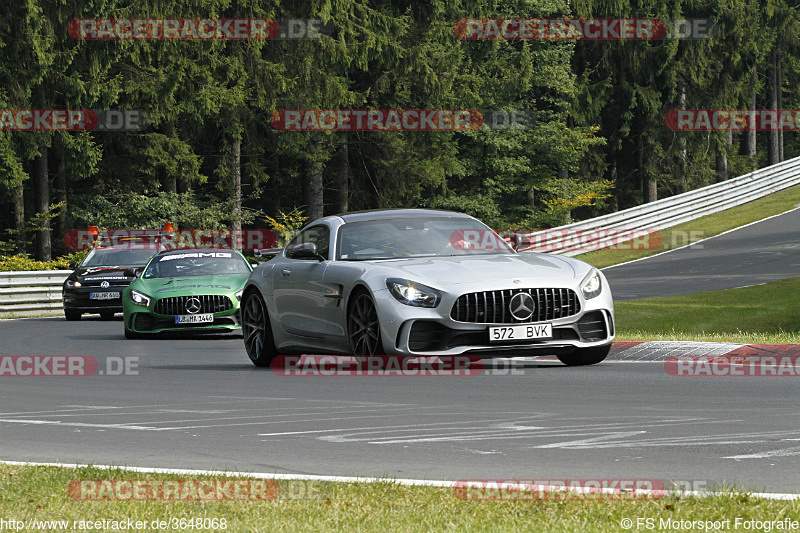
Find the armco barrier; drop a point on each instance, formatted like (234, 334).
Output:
(670, 211)
(31, 293)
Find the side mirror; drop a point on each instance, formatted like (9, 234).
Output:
(307, 250)
(517, 241)
(73, 266)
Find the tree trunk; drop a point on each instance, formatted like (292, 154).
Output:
(60, 182)
(168, 183)
(779, 100)
(722, 165)
(343, 178)
(750, 136)
(773, 151)
(612, 177)
(236, 171)
(649, 190)
(313, 187)
(41, 198)
(683, 154)
(19, 215)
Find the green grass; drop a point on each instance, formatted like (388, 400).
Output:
(702, 228)
(762, 314)
(41, 492)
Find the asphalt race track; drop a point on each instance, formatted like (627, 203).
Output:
(198, 403)
(759, 253)
(201, 404)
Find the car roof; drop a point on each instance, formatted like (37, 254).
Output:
(379, 214)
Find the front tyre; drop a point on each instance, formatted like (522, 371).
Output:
(363, 327)
(585, 356)
(258, 340)
(72, 315)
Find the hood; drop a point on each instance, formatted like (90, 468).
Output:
(100, 274)
(164, 287)
(532, 267)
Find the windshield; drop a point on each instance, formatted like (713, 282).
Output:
(196, 264)
(117, 257)
(417, 237)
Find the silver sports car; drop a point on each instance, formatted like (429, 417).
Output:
(422, 282)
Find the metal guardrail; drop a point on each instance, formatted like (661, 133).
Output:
(31, 292)
(603, 231)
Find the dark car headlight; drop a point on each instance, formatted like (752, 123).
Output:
(592, 284)
(413, 294)
(73, 284)
(139, 298)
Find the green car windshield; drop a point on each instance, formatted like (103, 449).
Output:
(196, 264)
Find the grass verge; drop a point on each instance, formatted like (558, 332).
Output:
(762, 314)
(41, 493)
(701, 228)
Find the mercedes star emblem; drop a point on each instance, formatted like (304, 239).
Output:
(193, 306)
(521, 306)
(105, 285)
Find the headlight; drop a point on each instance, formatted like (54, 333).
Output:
(73, 284)
(140, 299)
(413, 294)
(239, 295)
(591, 285)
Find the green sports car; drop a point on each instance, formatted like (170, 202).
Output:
(189, 289)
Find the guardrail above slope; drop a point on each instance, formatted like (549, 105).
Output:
(32, 292)
(603, 231)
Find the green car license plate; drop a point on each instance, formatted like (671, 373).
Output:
(195, 319)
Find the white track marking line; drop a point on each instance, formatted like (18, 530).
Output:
(786, 452)
(74, 424)
(347, 479)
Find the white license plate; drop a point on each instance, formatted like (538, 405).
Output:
(103, 295)
(521, 333)
(194, 319)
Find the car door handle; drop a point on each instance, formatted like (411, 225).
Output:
(286, 272)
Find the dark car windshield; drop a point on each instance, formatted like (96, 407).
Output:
(123, 256)
(417, 237)
(196, 264)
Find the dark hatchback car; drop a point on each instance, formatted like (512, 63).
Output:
(97, 282)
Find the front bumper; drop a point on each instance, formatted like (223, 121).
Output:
(79, 299)
(421, 331)
(148, 322)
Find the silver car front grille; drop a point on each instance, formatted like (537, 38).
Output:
(493, 307)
